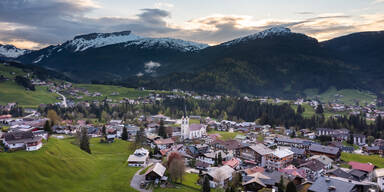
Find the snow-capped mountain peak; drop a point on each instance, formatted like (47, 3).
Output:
(95, 40)
(179, 44)
(274, 31)
(11, 51)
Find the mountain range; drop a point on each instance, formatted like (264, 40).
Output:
(271, 62)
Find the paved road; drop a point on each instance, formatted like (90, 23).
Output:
(64, 99)
(136, 180)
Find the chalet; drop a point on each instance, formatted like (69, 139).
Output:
(234, 163)
(139, 158)
(323, 159)
(331, 152)
(374, 150)
(298, 153)
(279, 158)
(228, 145)
(339, 173)
(164, 143)
(220, 176)
(155, 172)
(313, 169)
(298, 143)
(22, 140)
(256, 153)
(379, 175)
(111, 135)
(326, 184)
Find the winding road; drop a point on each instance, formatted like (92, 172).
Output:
(64, 102)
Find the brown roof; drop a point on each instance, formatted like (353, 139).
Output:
(164, 141)
(195, 127)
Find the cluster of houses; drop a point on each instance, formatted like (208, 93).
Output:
(262, 164)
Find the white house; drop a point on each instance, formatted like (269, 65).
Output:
(139, 158)
(22, 140)
(379, 174)
(192, 131)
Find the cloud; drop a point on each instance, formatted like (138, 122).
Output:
(55, 21)
(38, 23)
(151, 66)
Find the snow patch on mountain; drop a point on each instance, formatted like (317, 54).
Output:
(275, 31)
(96, 40)
(11, 51)
(179, 44)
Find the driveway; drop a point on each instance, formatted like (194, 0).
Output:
(136, 180)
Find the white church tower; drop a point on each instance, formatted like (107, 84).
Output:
(185, 127)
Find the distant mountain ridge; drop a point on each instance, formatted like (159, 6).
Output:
(11, 51)
(271, 62)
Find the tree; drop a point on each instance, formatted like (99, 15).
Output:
(84, 141)
(47, 127)
(291, 187)
(293, 134)
(350, 139)
(280, 185)
(319, 109)
(124, 135)
(206, 185)
(176, 167)
(219, 159)
(300, 109)
(53, 117)
(162, 131)
(370, 140)
(216, 161)
(104, 131)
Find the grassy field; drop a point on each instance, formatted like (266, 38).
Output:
(188, 185)
(11, 92)
(107, 90)
(62, 166)
(226, 135)
(374, 159)
(348, 96)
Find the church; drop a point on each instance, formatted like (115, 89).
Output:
(191, 131)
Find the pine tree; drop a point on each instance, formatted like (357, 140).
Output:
(291, 187)
(47, 127)
(84, 141)
(300, 109)
(319, 109)
(162, 131)
(216, 161)
(206, 185)
(219, 159)
(124, 135)
(104, 131)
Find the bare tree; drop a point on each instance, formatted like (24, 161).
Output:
(176, 167)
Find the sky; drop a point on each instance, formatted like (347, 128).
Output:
(34, 24)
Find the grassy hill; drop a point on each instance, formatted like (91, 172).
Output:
(11, 92)
(62, 166)
(345, 96)
(107, 90)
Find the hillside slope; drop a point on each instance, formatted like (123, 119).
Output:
(62, 166)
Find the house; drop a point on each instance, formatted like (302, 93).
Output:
(279, 158)
(220, 176)
(332, 184)
(228, 145)
(22, 140)
(366, 167)
(374, 150)
(234, 163)
(258, 180)
(379, 175)
(256, 153)
(323, 159)
(331, 152)
(155, 172)
(139, 158)
(111, 135)
(293, 172)
(297, 143)
(209, 157)
(298, 153)
(164, 143)
(313, 169)
(339, 173)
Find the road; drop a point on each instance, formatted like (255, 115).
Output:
(64, 102)
(136, 180)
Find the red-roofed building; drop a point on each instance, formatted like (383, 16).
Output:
(367, 167)
(234, 163)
